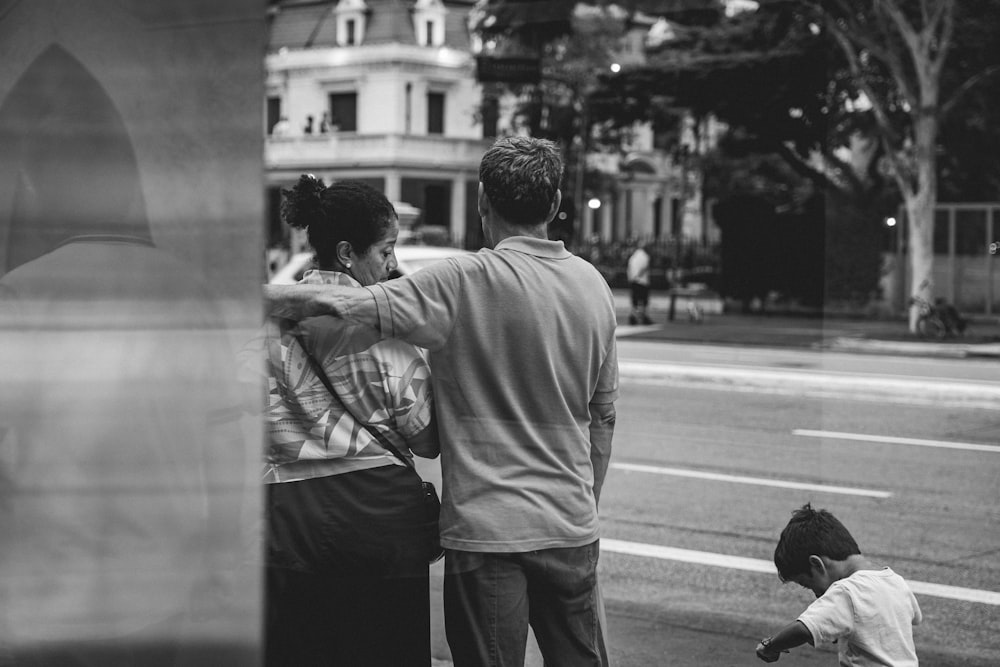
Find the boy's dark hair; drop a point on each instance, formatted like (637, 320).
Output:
(811, 532)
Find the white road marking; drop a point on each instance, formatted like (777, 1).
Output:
(767, 567)
(893, 440)
(759, 481)
(810, 382)
(688, 556)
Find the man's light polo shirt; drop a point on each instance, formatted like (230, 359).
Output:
(521, 342)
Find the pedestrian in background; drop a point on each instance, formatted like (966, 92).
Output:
(521, 337)
(347, 579)
(868, 610)
(637, 272)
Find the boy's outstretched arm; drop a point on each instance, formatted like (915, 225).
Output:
(297, 302)
(790, 636)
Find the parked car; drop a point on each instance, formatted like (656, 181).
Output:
(410, 258)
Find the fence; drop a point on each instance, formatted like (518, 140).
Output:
(966, 241)
(674, 261)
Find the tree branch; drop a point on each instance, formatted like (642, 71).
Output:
(966, 86)
(873, 44)
(903, 26)
(900, 170)
(801, 166)
(945, 17)
(881, 115)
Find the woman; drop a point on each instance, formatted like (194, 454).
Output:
(347, 574)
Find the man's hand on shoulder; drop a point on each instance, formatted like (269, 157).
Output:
(297, 302)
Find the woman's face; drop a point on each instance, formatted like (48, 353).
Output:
(373, 266)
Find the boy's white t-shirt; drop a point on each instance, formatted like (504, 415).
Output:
(872, 614)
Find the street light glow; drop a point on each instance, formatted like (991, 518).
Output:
(594, 203)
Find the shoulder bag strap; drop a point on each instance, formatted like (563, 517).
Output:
(321, 374)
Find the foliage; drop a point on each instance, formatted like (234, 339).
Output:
(969, 154)
(849, 94)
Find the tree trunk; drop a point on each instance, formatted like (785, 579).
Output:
(920, 219)
(920, 204)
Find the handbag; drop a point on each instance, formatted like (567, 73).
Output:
(430, 501)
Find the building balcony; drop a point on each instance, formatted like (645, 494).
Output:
(350, 150)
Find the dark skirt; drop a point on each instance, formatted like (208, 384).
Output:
(347, 575)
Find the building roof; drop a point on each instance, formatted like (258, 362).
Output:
(301, 24)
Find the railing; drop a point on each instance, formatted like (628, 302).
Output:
(374, 150)
(674, 261)
(964, 252)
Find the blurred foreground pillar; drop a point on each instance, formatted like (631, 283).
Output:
(130, 270)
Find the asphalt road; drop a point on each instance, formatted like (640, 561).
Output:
(716, 446)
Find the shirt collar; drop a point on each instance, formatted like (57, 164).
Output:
(317, 277)
(533, 246)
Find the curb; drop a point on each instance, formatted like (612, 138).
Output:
(984, 395)
(952, 351)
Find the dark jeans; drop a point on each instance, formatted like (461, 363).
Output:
(640, 296)
(490, 599)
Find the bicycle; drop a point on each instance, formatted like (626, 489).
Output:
(937, 320)
(929, 322)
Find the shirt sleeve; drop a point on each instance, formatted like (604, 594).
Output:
(830, 617)
(607, 381)
(421, 308)
(408, 384)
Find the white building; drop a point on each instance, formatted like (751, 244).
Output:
(391, 90)
(658, 188)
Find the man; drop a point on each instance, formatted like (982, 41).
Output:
(524, 364)
(637, 273)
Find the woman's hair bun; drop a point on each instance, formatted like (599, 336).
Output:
(301, 204)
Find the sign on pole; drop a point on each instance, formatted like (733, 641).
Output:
(508, 70)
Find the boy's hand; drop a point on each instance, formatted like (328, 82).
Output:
(766, 653)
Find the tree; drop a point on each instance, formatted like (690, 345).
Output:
(856, 95)
(774, 80)
(852, 93)
(899, 54)
(574, 44)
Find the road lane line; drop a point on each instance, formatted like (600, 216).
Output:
(688, 556)
(893, 440)
(759, 481)
(767, 567)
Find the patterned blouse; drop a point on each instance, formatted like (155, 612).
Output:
(384, 383)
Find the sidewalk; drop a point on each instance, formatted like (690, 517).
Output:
(846, 334)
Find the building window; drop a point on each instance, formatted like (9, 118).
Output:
(435, 113)
(428, 22)
(344, 111)
(350, 16)
(276, 232)
(273, 113)
(491, 117)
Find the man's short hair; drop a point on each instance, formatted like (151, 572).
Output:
(520, 176)
(811, 532)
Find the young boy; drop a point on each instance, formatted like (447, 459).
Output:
(870, 609)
